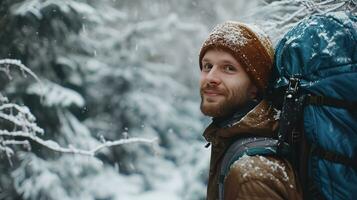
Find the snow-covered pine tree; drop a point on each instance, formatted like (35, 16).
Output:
(45, 35)
(81, 73)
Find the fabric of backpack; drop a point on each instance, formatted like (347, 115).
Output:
(316, 67)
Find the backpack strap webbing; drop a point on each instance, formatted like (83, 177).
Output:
(321, 152)
(246, 146)
(333, 157)
(329, 101)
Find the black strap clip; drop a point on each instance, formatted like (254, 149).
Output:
(294, 85)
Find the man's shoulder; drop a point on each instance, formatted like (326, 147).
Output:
(261, 177)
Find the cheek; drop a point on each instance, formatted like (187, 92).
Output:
(245, 81)
(201, 82)
(238, 86)
(202, 79)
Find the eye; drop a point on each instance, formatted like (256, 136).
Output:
(229, 68)
(207, 67)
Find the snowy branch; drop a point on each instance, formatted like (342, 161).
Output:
(15, 142)
(291, 17)
(26, 128)
(325, 6)
(308, 7)
(278, 16)
(50, 144)
(7, 63)
(22, 125)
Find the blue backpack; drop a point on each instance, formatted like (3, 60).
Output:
(314, 84)
(316, 68)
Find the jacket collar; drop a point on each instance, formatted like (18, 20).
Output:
(259, 121)
(226, 122)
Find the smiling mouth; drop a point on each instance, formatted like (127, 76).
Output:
(211, 93)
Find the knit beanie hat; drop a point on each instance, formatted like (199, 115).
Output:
(249, 45)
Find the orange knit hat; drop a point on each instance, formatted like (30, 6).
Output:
(250, 46)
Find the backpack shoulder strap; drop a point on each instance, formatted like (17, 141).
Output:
(247, 146)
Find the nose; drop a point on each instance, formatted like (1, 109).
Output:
(212, 76)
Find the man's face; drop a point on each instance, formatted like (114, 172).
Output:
(224, 84)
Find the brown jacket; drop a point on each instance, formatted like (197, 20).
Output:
(251, 177)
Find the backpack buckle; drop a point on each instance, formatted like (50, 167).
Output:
(294, 83)
(295, 136)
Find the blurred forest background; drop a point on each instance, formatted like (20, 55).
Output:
(111, 70)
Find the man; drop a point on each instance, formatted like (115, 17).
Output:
(235, 62)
